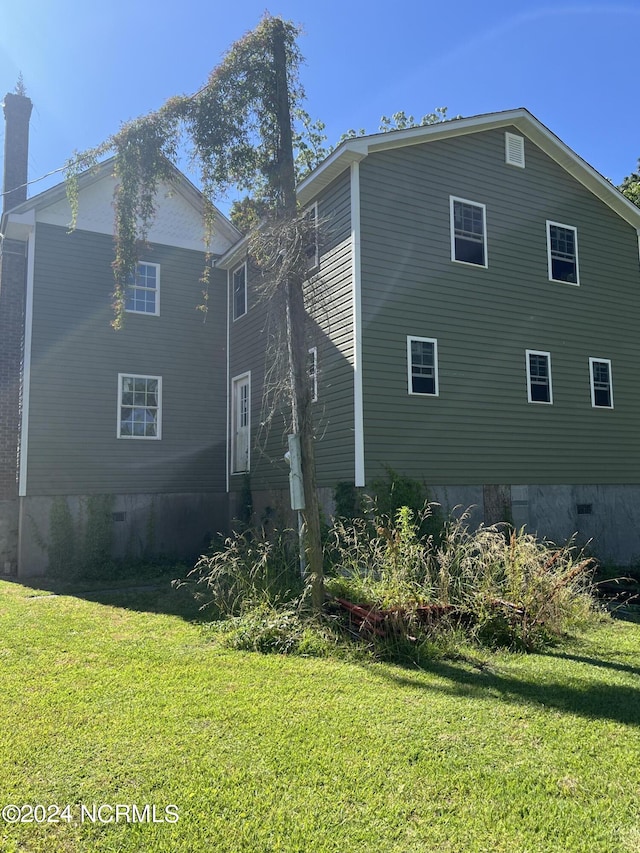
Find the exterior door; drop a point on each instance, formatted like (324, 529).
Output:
(241, 424)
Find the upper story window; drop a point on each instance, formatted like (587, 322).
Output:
(468, 232)
(143, 291)
(311, 249)
(539, 388)
(422, 363)
(601, 386)
(562, 251)
(239, 283)
(139, 406)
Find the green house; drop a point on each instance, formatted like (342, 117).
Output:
(476, 296)
(474, 290)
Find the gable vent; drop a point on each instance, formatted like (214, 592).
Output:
(514, 149)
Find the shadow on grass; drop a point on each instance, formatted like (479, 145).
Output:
(597, 700)
(599, 662)
(149, 590)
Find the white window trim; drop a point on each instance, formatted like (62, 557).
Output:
(433, 341)
(233, 292)
(312, 210)
(452, 200)
(155, 313)
(158, 435)
(592, 361)
(313, 373)
(548, 402)
(513, 141)
(573, 228)
(234, 379)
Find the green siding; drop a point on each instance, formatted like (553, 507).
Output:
(76, 357)
(481, 429)
(330, 296)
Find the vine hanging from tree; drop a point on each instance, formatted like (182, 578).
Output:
(230, 129)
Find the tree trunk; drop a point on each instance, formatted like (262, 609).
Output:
(296, 336)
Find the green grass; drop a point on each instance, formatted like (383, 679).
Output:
(104, 701)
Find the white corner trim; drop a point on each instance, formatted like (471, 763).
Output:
(228, 444)
(26, 367)
(356, 277)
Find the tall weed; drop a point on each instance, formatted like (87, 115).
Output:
(249, 569)
(503, 585)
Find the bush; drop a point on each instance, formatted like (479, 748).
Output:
(504, 586)
(271, 629)
(410, 595)
(247, 570)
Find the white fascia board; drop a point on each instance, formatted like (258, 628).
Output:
(235, 255)
(356, 149)
(18, 226)
(572, 163)
(351, 151)
(520, 118)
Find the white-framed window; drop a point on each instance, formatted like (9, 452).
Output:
(562, 252)
(312, 370)
(240, 423)
(601, 383)
(239, 288)
(139, 406)
(422, 366)
(539, 387)
(143, 291)
(468, 232)
(514, 149)
(311, 248)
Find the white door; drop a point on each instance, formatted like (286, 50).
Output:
(240, 426)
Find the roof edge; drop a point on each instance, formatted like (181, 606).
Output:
(360, 147)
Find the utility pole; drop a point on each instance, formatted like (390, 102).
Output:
(296, 320)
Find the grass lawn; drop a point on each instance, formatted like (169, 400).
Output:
(114, 698)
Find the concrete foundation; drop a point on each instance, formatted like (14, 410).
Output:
(176, 526)
(9, 537)
(603, 518)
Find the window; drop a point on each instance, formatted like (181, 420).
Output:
(562, 250)
(539, 377)
(239, 281)
(240, 423)
(139, 406)
(311, 246)
(601, 387)
(468, 232)
(514, 149)
(422, 360)
(143, 291)
(312, 370)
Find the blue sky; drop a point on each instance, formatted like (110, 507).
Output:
(90, 67)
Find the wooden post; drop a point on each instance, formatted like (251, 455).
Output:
(296, 318)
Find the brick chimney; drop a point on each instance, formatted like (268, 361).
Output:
(13, 267)
(17, 112)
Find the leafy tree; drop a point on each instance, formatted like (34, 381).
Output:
(631, 186)
(239, 129)
(401, 121)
